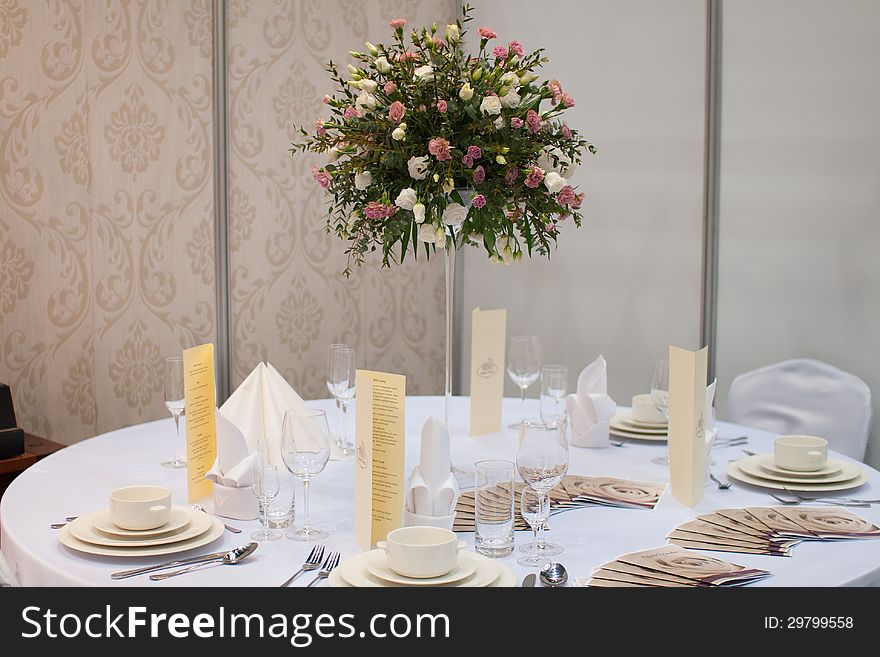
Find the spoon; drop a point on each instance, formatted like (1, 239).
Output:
(199, 507)
(553, 574)
(231, 558)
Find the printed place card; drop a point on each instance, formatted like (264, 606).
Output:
(488, 336)
(201, 421)
(379, 459)
(687, 423)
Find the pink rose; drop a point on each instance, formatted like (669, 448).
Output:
(555, 91)
(566, 131)
(516, 122)
(500, 52)
(517, 49)
(533, 120)
(487, 33)
(511, 175)
(565, 196)
(479, 201)
(398, 23)
(439, 148)
(535, 177)
(389, 87)
(479, 174)
(467, 160)
(321, 177)
(475, 152)
(439, 42)
(375, 210)
(351, 113)
(550, 227)
(576, 204)
(396, 111)
(568, 100)
(408, 56)
(422, 107)
(441, 106)
(319, 127)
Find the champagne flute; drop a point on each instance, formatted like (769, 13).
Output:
(175, 402)
(542, 461)
(266, 484)
(660, 397)
(305, 448)
(340, 383)
(523, 366)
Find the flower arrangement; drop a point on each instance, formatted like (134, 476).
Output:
(430, 144)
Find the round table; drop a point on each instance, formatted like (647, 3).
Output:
(78, 479)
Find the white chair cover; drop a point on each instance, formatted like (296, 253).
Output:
(805, 396)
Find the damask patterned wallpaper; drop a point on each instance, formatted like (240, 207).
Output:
(106, 206)
(289, 300)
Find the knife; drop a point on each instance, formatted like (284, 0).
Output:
(529, 580)
(168, 564)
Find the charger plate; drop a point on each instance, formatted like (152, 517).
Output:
(69, 540)
(735, 472)
(83, 528)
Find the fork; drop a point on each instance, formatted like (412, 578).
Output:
(312, 562)
(799, 500)
(331, 563)
(827, 500)
(722, 485)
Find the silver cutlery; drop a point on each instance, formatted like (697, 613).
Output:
(124, 574)
(331, 563)
(722, 485)
(826, 500)
(748, 452)
(619, 443)
(199, 507)
(553, 574)
(798, 500)
(231, 558)
(721, 444)
(312, 562)
(59, 525)
(529, 580)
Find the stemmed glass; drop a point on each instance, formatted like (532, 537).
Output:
(542, 461)
(554, 383)
(340, 383)
(523, 366)
(660, 397)
(266, 484)
(175, 402)
(305, 448)
(535, 514)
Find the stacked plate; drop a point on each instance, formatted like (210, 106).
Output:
(761, 470)
(623, 425)
(370, 569)
(95, 533)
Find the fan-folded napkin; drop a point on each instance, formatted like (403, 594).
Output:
(590, 408)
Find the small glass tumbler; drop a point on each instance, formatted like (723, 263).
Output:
(554, 384)
(495, 497)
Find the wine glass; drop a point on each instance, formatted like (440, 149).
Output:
(305, 448)
(535, 513)
(542, 461)
(340, 383)
(523, 366)
(175, 402)
(554, 382)
(266, 484)
(660, 397)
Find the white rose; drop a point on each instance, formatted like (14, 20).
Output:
(418, 211)
(425, 73)
(510, 99)
(510, 79)
(406, 199)
(499, 122)
(427, 234)
(466, 92)
(491, 105)
(554, 182)
(418, 167)
(398, 133)
(369, 85)
(382, 65)
(452, 33)
(454, 214)
(363, 180)
(564, 168)
(365, 100)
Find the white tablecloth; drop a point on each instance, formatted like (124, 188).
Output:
(77, 480)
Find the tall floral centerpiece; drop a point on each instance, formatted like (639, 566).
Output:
(431, 147)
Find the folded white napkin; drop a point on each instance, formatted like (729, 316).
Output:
(432, 489)
(590, 408)
(710, 410)
(232, 473)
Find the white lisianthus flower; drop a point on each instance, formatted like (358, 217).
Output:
(363, 180)
(365, 100)
(354, 83)
(382, 65)
(418, 167)
(477, 238)
(427, 234)
(406, 199)
(499, 122)
(373, 49)
(454, 214)
(554, 182)
(452, 33)
(511, 80)
(527, 78)
(425, 73)
(418, 211)
(510, 99)
(440, 236)
(491, 105)
(398, 133)
(448, 185)
(369, 85)
(466, 92)
(334, 154)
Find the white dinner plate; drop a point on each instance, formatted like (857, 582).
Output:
(625, 420)
(506, 579)
(354, 572)
(177, 519)
(768, 463)
(74, 543)
(656, 438)
(83, 529)
(735, 472)
(754, 466)
(377, 564)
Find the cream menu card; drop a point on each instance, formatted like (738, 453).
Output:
(487, 370)
(201, 425)
(687, 423)
(379, 434)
